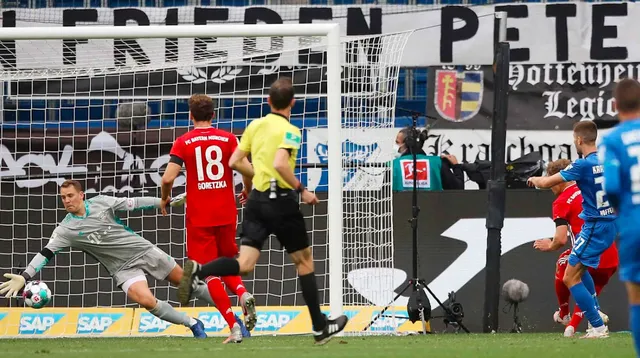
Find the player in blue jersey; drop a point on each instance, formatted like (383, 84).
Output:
(599, 229)
(620, 155)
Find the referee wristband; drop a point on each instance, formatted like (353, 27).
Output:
(300, 188)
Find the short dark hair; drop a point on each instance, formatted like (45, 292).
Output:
(557, 165)
(627, 95)
(72, 183)
(587, 130)
(201, 107)
(281, 93)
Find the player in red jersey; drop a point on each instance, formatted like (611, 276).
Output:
(211, 212)
(566, 208)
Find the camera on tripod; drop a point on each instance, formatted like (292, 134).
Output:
(414, 139)
(456, 311)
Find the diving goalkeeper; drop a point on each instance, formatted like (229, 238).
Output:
(92, 226)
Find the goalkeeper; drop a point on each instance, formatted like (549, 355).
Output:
(92, 226)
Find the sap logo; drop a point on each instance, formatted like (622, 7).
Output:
(38, 323)
(96, 323)
(273, 321)
(390, 321)
(349, 314)
(152, 324)
(213, 321)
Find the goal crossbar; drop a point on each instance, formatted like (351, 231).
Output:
(333, 73)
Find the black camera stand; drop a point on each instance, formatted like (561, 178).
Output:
(419, 307)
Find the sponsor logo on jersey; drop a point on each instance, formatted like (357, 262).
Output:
(96, 322)
(274, 320)
(38, 323)
(213, 321)
(390, 321)
(152, 324)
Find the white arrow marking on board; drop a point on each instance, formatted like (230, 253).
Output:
(378, 284)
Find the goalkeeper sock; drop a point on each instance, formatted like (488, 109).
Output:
(585, 301)
(563, 294)
(310, 294)
(235, 285)
(223, 266)
(220, 297)
(201, 292)
(587, 280)
(164, 311)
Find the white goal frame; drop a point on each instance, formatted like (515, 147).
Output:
(334, 114)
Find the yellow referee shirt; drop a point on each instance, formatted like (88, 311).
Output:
(262, 138)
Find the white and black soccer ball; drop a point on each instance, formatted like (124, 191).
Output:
(36, 294)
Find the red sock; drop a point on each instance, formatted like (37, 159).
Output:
(221, 299)
(577, 317)
(563, 294)
(235, 285)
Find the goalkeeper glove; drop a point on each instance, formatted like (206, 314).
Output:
(13, 286)
(178, 200)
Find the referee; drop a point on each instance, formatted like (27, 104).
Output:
(271, 207)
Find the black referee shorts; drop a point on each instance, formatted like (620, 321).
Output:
(280, 216)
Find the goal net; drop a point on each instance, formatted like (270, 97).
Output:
(103, 105)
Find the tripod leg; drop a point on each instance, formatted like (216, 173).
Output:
(409, 284)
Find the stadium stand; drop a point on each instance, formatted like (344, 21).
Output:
(412, 86)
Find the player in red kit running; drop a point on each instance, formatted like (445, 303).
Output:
(566, 208)
(211, 212)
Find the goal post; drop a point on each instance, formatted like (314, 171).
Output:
(88, 77)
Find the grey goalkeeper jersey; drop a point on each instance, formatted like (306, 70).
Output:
(101, 234)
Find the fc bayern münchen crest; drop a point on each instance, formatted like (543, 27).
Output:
(458, 94)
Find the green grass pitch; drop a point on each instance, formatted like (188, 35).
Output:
(618, 345)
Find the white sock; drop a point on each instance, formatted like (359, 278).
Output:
(164, 311)
(201, 292)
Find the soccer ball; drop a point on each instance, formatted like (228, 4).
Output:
(36, 294)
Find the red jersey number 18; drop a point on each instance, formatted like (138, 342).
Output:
(213, 157)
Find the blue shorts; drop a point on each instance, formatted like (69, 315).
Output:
(594, 238)
(629, 253)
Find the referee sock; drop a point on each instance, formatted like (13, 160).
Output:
(223, 266)
(310, 294)
(587, 280)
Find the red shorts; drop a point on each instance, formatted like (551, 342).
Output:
(205, 244)
(601, 276)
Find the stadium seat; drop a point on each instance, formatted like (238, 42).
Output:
(173, 3)
(68, 3)
(123, 3)
(19, 3)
